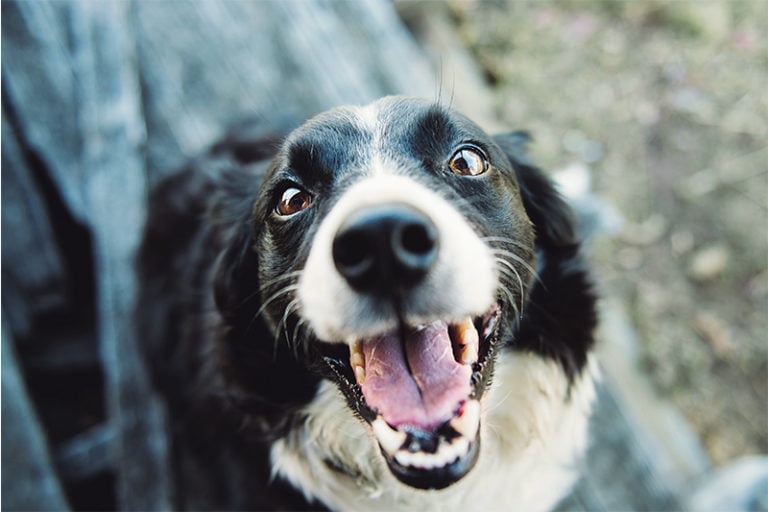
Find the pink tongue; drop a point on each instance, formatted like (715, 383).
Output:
(429, 396)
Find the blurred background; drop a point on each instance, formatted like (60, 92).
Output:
(652, 116)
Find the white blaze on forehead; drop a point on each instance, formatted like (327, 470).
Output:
(461, 282)
(368, 116)
(369, 120)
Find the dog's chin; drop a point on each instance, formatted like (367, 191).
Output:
(435, 477)
(419, 391)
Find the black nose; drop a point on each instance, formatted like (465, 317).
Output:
(384, 248)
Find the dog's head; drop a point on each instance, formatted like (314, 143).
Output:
(395, 243)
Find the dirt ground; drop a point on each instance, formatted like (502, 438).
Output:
(667, 104)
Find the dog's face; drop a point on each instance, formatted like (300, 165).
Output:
(393, 242)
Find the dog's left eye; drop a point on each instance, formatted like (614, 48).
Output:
(468, 161)
(293, 201)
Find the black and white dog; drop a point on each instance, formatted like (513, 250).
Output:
(387, 311)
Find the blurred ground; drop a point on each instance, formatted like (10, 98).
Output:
(666, 103)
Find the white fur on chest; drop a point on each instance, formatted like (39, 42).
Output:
(531, 438)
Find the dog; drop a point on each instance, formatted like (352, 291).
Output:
(387, 309)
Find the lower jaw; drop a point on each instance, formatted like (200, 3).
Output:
(436, 458)
(438, 477)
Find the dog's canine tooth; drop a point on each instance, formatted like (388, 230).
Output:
(466, 424)
(359, 374)
(466, 340)
(389, 439)
(357, 360)
(468, 353)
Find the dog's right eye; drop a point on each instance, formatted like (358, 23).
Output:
(293, 201)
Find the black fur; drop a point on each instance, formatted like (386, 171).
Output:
(213, 251)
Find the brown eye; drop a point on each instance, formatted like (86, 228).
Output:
(293, 201)
(468, 162)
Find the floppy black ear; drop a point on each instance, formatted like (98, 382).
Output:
(235, 269)
(560, 314)
(552, 217)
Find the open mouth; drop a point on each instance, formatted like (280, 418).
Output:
(419, 388)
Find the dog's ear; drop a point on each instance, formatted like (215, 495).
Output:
(236, 266)
(560, 316)
(552, 217)
(236, 270)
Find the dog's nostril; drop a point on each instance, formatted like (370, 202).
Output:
(383, 248)
(418, 238)
(351, 251)
(414, 246)
(354, 254)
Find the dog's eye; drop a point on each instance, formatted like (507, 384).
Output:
(468, 162)
(293, 201)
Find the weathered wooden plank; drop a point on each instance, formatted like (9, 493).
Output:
(33, 270)
(87, 454)
(39, 83)
(29, 481)
(115, 187)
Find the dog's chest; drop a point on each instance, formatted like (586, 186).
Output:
(531, 436)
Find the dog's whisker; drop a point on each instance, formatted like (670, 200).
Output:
(301, 323)
(267, 285)
(283, 325)
(511, 284)
(505, 289)
(282, 291)
(511, 301)
(502, 252)
(512, 268)
(299, 341)
(283, 277)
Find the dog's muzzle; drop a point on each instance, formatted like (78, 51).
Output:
(416, 379)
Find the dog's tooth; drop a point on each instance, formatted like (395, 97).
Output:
(389, 439)
(359, 374)
(356, 352)
(357, 360)
(466, 424)
(469, 353)
(467, 341)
